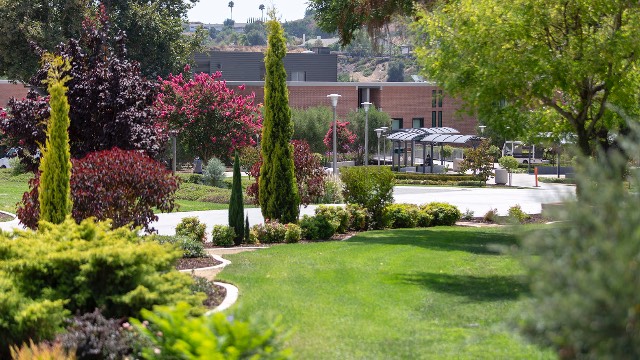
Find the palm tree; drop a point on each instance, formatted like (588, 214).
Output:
(261, 8)
(231, 7)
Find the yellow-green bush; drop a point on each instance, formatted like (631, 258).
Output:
(76, 268)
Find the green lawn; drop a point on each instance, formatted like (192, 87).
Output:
(401, 294)
(11, 189)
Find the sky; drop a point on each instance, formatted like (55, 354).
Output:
(216, 11)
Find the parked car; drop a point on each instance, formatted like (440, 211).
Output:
(4, 160)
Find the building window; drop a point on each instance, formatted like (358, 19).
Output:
(396, 124)
(298, 76)
(440, 98)
(418, 123)
(433, 119)
(434, 97)
(439, 118)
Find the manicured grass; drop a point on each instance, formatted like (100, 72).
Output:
(401, 294)
(11, 189)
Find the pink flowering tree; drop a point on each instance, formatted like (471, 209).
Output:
(345, 138)
(210, 119)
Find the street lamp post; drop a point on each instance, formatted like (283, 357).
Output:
(384, 143)
(482, 129)
(379, 132)
(366, 105)
(334, 103)
(173, 134)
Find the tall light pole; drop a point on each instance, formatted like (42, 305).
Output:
(173, 134)
(378, 132)
(366, 105)
(334, 103)
(384, 143)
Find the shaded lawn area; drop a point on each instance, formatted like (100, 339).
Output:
(397, 294)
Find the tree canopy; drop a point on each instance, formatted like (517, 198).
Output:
(542, 65)
(154, 29)
(110, 102)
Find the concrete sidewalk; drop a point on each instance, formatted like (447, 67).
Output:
(478, 200)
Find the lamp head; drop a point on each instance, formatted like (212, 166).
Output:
(365, 106)
(334, 99)
(379, 132)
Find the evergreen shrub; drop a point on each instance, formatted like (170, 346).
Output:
(213, 172)
(318, 227)
(584, 272)
(222, 235)
(293, 233)
(443, 214)
(337, 214)
(44, 351)
(193, 228)
(76, 268)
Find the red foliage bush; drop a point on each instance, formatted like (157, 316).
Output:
(308, 170)
(344, 138)
(122, 185)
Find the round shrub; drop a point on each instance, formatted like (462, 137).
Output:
(223, 235)
(293, 233)
(192, 227)
(319, 227)
(336, 214)
(443, 214)
(190, 247)
(402, 216)
(271, 232)
(213, 172)
(370, 187)
(332, 191)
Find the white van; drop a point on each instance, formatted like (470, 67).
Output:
(523, 153)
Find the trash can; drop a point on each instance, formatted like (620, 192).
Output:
(502, 176)
(197, 165)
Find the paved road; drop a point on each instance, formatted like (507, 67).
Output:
(478, 200)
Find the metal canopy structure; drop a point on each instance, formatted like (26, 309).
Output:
(449, 139)
(426, 136)
(419, 133)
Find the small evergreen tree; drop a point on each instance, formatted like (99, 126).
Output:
(247, 230)
(236, 206)
(55, 167)
(278, 194)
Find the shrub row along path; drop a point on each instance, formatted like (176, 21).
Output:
(478, 200)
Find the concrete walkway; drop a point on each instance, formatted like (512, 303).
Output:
(478, 200)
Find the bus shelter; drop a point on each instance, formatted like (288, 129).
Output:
(406, 139)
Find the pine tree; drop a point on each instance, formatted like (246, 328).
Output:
(236, 205)
(55, 166)
(278, 192)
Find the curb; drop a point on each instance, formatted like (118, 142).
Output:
(224, 262)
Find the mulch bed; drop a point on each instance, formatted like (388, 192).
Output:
(194, 263)
(216, 297)
(533, 219)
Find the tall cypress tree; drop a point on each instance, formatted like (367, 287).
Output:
(55, 166)
(236, 205)
(278, 194)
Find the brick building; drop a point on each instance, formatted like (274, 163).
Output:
(410, 105)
